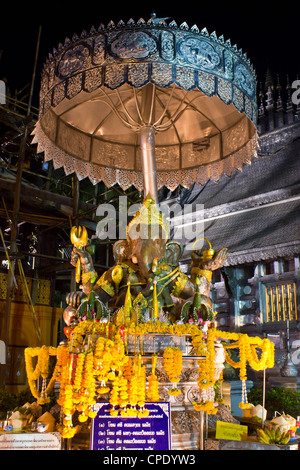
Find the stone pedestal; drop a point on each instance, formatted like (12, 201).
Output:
(185, 420)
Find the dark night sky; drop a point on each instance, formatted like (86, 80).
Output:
(267, 31)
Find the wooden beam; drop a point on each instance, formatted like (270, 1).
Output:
(42, 195)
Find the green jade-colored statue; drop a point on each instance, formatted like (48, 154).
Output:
(146, 282)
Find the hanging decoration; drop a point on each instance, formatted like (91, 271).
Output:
(172, 357)
(98, 359)
(153, 391)
(41, 369)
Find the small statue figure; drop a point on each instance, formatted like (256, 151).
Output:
(204, 262)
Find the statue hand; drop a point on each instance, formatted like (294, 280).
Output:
(84, 257)
(217, 261)
(210, 264)
(148, 289)
(73, 299)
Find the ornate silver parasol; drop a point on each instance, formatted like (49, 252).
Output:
(148, 104)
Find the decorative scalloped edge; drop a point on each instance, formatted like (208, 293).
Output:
(160, 24)
(127, 178)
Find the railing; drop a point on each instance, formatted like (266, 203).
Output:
(42, 296)
(281, 302)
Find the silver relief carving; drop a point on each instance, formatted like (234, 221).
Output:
(73, 59)
(167, 45)
(244, 79)
(133, 45)
(99, 50)
(199, 53)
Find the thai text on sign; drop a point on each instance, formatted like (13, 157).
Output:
(132, 433)
(231, 431)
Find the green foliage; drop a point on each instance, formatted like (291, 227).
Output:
(24, 397)
(285, 401)
(10, 401)
(7, 402)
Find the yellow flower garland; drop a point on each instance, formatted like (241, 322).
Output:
(77, 369)
(159, 327)
(197, 342)
(42, 370)
(153, 392)
(206, 375)
(247, 354)
(208, 407)
(131, 371)
(129, 390)
(172, 359)
(141, 389)
(247, 347)
(103, 358)
(88, 389)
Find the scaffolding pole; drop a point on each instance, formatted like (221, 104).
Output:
(14, 221)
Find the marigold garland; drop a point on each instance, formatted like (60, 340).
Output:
(97, 352)
(141, 386)
(172, 359)
(130, 373)
(247, 354)
(153, 391)
(88, 389)
(197, 343)
(103, 358)
(206, 375)
(208, 407)
(42, 370)
(128, 393)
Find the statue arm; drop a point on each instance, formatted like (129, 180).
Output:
(205, 268)
(103, 287)
(88, 273)
(182, 287)
(217, 261)
(210, 264)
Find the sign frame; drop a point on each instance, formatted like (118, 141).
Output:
(108, 430)
(30, 441)
(230, 431)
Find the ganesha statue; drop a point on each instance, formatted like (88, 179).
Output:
(146, 272)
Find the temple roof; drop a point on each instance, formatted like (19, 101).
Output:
(256, 213)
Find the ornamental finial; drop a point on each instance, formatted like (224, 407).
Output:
(158, 20)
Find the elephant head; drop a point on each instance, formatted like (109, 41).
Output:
(147, 243)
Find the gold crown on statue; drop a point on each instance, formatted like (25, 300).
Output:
(148, 215)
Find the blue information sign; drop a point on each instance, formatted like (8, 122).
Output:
(117, 433)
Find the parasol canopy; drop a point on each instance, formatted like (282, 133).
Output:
(182, 99)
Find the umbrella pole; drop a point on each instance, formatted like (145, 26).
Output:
(148, 162)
